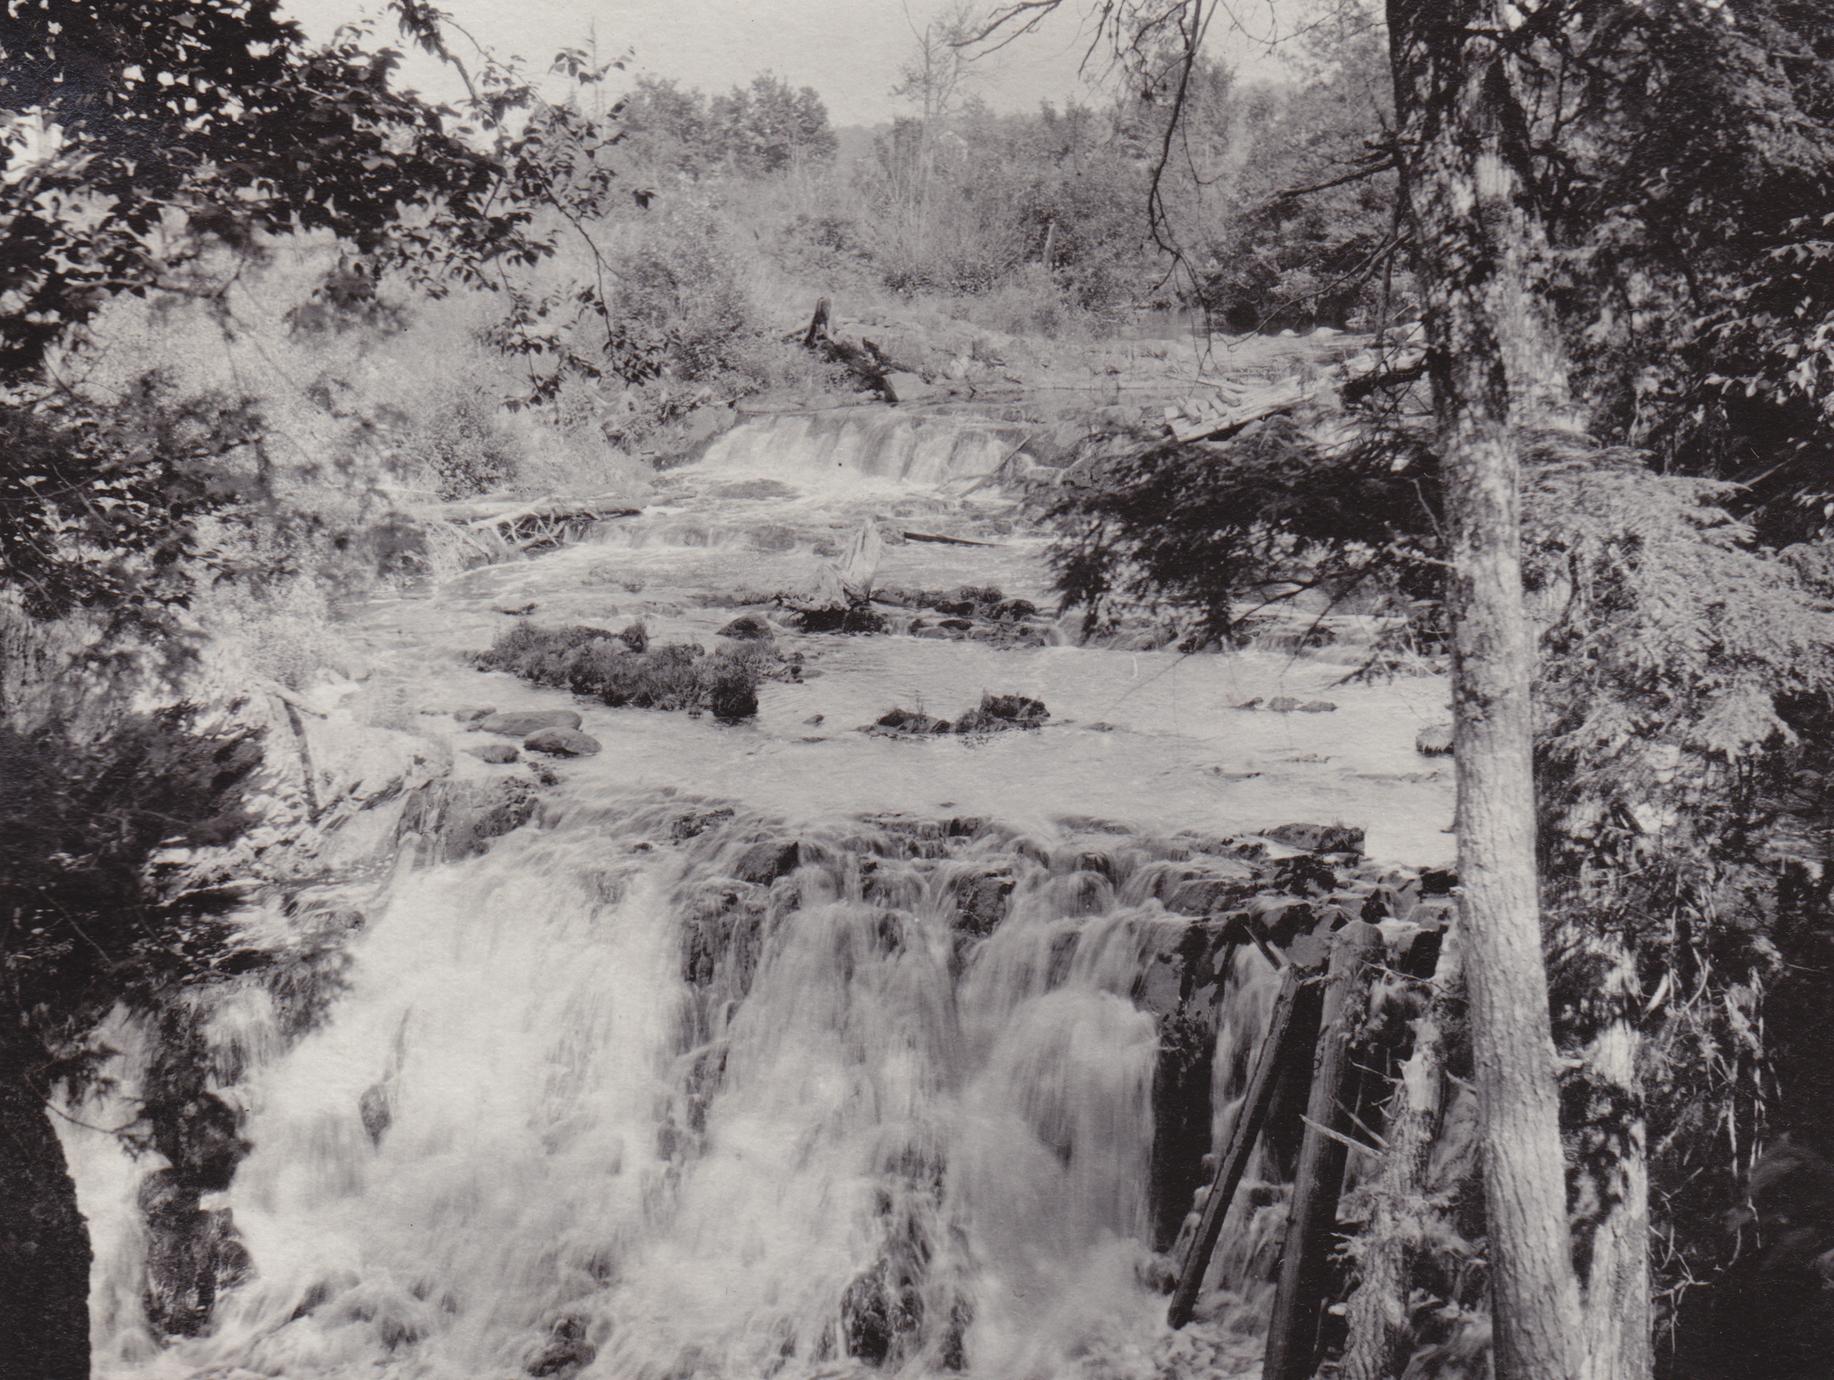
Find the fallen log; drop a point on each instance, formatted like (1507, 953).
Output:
(1291, 1028)
(1292, 1334)
(946, 541)
(863, 358)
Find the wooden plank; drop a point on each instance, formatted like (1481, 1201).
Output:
(1291, 1027)
(1292, 1334)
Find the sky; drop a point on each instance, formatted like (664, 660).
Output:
(848, 50)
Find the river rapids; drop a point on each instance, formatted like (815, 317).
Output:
(776, 1049)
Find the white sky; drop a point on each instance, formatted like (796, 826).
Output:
(848, 50)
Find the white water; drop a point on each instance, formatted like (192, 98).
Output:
(595, 1165)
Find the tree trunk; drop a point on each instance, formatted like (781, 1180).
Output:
(44, 1247)
(1381, 1330)
(1318, 1182)
(1292, 1026)
(1475, 236)
(1611, 1152)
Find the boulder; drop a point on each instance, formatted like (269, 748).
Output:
(1435, 740)
(996, 713)
(192, 1255)
(519, 724)
(907, 723)
(562, 742)
(1010, 609)
(764, 862)
(494, 753)
(1317, 838)
(376, 1112)
(1317, 707)
(471, 713)
(748, 627)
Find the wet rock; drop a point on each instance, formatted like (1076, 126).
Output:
(815, 719)
(1284, 704)
(1307, 874)
(1317, 707)
(471, 713)
(1011, 610)
(520, 724)
(1181, 1118)
(376, 1112)
(880, 1317)
(956, 625)
(907, 723)
(1212, 895)
(197, 1132)
(495, 753)
(748, 627)
(996, 713)
(566, 1352)
(518, 610)
(192, 1255)
(695, 821)
(764, 862)
(1435, 740)
(981, 901)
(858, 619)
(562, 742)
(1318, 838)
(452, 819)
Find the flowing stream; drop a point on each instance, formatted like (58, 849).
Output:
(776, 1049)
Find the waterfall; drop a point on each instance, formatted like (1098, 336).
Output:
(872, 1058)
(661, 1090)
(851, 447)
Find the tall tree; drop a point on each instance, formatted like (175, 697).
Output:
(1499, 378)
(1499, 374)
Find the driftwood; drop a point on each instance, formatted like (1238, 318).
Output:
(500, 528)
(946, 541)
(1381, 1328)
(1291, 1028)
(1292, 1335)
(862, 358)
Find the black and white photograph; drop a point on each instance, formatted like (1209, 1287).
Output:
(911, 689)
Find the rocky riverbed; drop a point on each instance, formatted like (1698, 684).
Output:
(624, 1035)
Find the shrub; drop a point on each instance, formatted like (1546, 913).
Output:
(462, 449)
(623, 669)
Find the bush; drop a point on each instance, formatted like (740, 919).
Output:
(462, 449)
(622, 669)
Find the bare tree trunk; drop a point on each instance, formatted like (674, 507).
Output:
(1474, 231)
(1381, 1331)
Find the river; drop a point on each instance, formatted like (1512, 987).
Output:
(724, 1065)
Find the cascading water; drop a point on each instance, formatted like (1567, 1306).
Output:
(806, 1076)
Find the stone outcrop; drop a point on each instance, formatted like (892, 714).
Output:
(521, 723)
(561, 742)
